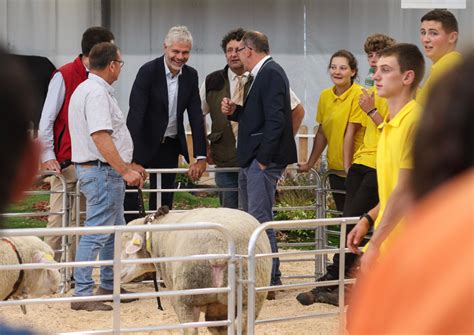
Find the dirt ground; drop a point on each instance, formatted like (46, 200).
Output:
(54, 318)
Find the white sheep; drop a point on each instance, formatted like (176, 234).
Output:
(33, 282)
(199, 274)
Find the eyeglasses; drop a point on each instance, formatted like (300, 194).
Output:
(121, 62)
(232, 50)
(241, 49)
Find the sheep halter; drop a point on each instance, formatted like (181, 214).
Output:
(22, 272)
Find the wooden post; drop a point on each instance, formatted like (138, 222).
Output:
(303, 144)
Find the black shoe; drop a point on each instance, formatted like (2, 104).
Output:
(306, 298)
(330, 298)
(103, 291)
(90, 306)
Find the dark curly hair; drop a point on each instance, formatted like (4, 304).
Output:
(235, 34)
(444, 141)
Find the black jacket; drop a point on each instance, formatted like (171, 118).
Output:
(147, 118)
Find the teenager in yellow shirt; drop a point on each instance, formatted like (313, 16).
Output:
(399, 71)
(361, 181)
(337, 107)
(438, 35)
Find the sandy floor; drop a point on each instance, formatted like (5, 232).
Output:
(53, 318)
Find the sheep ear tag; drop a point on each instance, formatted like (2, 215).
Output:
(134, 245)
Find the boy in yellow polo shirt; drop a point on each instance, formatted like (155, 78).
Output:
(438, 35)
(399, 71)
(361, 180)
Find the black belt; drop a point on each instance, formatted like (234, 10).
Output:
(65, 164)
(94, 163)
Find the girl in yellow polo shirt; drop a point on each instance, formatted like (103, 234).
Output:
(338, 106)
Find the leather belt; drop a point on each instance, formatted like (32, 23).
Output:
(94, 163)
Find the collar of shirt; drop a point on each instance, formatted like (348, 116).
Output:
(101, 81)
(344, 95)
(258, 66)
(233, 76)
(168, 72)
(396, 121)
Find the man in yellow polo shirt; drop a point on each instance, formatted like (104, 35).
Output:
(399, 71)
(438, 35)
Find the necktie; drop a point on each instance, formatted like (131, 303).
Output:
(247, 86)
(238, 95)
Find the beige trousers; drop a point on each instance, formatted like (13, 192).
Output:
(56, 205)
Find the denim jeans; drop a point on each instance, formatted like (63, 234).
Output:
(228, 199)
(104, 190)
(257, 195)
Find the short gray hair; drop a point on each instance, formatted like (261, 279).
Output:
(178, 34)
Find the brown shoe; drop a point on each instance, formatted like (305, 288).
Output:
(90, 306)
(103, 291)
(271, 295)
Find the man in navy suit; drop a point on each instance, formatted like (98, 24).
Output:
(266, 144)
(163, 89)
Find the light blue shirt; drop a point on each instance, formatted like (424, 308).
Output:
(173, 87)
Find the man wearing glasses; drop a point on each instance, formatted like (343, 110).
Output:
(266, 144)
(101, 151)
(230, 82)
(54, 130)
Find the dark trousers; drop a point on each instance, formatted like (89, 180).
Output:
(361, 196)
(338, 183)
(166, 158)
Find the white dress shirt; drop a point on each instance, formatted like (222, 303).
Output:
(93, 108)
(52, 105)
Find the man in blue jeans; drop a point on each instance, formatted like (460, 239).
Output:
(101, 151)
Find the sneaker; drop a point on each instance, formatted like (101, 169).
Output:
(103, 291)
(90, 306)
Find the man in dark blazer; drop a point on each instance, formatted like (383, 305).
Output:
(266, 144)
(163, 89)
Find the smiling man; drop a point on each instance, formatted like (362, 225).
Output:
(163, 89)
(439, 35)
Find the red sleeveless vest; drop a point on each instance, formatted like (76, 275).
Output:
(73, 74)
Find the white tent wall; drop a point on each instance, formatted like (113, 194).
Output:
(303, 33)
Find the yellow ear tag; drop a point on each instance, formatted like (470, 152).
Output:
(136, 242)
(48, 257)
(148, 245)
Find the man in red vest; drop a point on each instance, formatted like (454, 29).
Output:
(54, 130)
